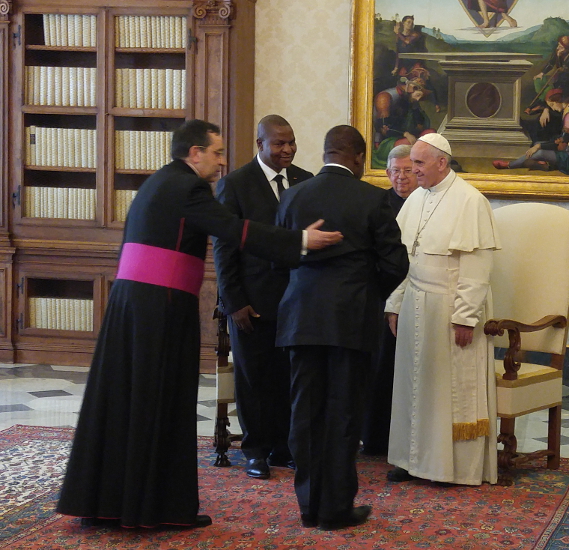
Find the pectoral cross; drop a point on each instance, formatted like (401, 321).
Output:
(414, 248)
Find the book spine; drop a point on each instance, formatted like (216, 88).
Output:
(72, 78)
(92, 86)
(93, 24)
(43, 86)
(132, 95)
(169, 96)
(46, 30)
(147, 87)
(64, 30)
(80, 71)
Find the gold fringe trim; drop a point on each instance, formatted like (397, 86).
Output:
(464, 431)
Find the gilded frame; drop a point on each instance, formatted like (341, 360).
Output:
(499, 185)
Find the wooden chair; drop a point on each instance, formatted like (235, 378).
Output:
(530, 287)
(225, 392)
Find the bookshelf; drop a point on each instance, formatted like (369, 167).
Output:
(91, 92)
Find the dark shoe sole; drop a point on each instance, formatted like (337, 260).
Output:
(308, 521)
(289, 464)
(398, 475)
(358, 516)
(256, 475)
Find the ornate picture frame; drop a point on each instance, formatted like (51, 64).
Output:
(503, 79)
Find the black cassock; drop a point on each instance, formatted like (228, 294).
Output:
(134, 455)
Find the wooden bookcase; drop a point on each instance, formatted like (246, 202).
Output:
(91, 92)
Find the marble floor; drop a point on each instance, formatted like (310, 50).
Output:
(50, 395)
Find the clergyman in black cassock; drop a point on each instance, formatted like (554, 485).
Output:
(328, 318)
(377, 415)
(134, 456)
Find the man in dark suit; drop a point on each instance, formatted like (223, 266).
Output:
(249, 294)
(328, 319)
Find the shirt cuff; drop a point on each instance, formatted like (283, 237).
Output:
(304, 249)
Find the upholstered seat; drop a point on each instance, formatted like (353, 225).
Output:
(530, 286)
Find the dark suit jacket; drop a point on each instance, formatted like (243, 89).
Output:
(244, 279)
(333, 298)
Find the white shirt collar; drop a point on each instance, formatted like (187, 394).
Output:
(339, 166)
(269, 172)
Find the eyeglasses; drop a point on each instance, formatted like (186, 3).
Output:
(401, 172)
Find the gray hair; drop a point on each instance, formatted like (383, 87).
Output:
(399, 152)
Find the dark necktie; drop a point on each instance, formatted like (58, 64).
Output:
(280, 187)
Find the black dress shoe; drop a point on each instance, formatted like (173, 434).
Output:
(399, 474)
(100, 522)
(202, 520)
(281, 462)
(309, 520)
(356, 517)
(257, 468)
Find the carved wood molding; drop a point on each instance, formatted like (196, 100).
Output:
(213, 12)
(5, 9)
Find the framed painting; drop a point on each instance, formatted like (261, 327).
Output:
(492, 76)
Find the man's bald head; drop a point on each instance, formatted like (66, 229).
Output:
(276, 142)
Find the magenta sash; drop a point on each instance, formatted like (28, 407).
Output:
(160, 266)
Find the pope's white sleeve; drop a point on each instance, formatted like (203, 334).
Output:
(472, 287)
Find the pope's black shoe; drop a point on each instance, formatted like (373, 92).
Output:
(356, 517)
(257, 468)
(399, 474)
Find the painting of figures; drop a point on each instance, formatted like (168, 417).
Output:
(490, 75)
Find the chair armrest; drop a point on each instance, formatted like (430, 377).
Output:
(496, 327)
(223, 345)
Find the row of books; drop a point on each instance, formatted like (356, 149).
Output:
(123, 200)
(72, 203)
(70, 30)
(150, 88)
(64, 147)
(66, 86)
(61, 314)
(146, 31)
(135, 150)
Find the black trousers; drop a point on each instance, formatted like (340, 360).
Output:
(327, 385)
(377, 416)
(262, 390)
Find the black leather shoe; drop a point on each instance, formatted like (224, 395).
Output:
(356, 517)
(281, 462)
(199, 521)
(257, 468)
(309, 520)
(202, 520)
(399, 474)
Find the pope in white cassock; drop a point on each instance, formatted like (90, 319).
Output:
(443, 421)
